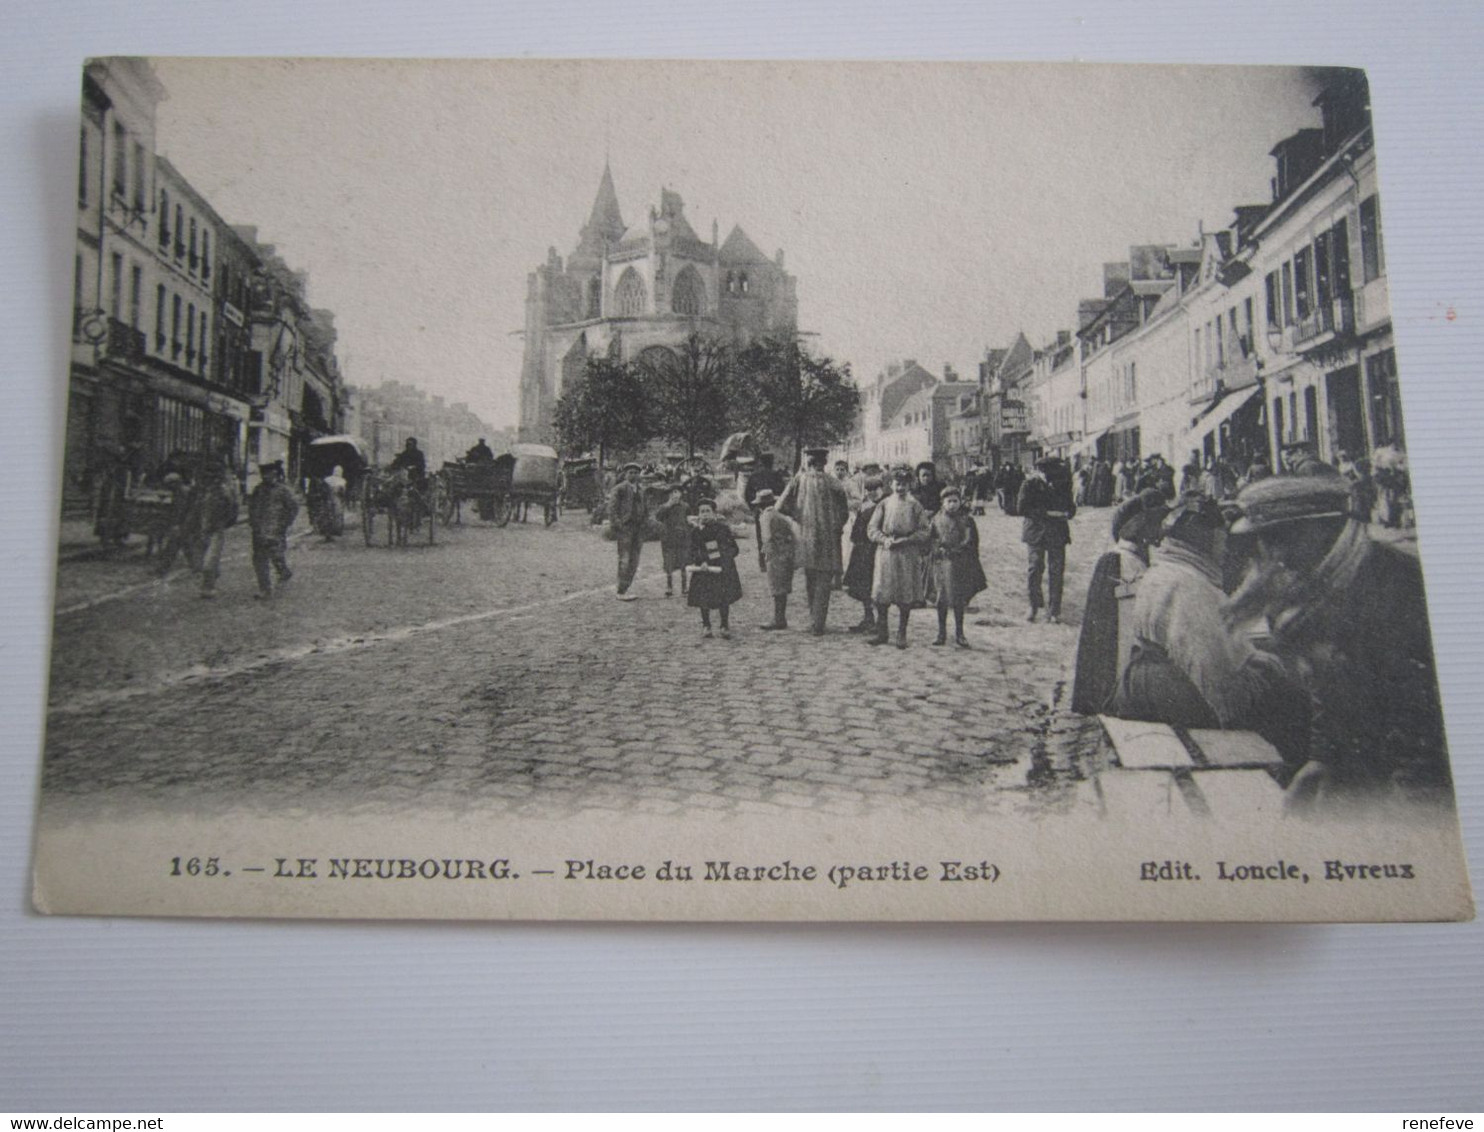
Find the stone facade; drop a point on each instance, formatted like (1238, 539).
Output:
(1272, 333)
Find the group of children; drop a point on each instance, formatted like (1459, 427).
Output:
(901, 554)
(904, 555)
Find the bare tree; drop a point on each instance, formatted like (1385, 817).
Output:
(690, 389)
(606, 410)
(789, 396)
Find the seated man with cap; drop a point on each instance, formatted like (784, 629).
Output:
(1187, 667)
(1347, 615)
(412, 461)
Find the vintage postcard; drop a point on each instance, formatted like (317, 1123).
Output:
(749, 491)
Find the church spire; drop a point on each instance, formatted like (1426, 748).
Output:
(606, 219)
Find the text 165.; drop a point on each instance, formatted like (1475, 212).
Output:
(196, 867)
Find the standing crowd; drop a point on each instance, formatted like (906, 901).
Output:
(1257, 601)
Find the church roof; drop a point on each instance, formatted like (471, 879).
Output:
(739, 248)
(606, 216)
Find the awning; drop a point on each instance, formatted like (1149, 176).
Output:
(1090, 441)
(1223, 408)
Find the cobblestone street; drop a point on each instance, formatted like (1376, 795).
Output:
(495, 671)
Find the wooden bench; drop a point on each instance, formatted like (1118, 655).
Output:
(1156, 770)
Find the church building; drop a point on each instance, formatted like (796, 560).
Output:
(628, 290)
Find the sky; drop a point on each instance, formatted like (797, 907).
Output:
(929, 211)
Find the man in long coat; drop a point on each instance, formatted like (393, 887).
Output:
(1046, 504)
(816, 501)
(627, 511)
(271, 509)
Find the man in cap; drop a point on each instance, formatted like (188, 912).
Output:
(1348, 617)
(628, 511)
(481, 453)
(271, 509)
(1046, 503)
(816, 501)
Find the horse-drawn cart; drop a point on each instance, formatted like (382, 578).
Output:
(535, 478)
(483, 483)
(582, 485)
(404, 506)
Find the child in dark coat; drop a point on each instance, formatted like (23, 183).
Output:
(957, 572)
(714, 582)
(861, 571)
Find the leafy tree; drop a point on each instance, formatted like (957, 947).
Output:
(788, 396)
(690, 391)
(606, 410)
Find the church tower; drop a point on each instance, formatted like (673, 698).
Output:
(627, 290)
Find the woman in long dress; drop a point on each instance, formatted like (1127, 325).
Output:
(1102, 646)
(899, 528)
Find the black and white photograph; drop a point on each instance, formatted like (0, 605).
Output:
(686, 490)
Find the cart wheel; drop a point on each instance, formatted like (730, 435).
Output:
(504, 509)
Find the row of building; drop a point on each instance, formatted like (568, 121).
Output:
(190, 338)
(1270, 334)
(385, 416)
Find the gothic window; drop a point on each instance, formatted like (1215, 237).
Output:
(630, 296)
(657, 359)
(594, 296)
(689, 296)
